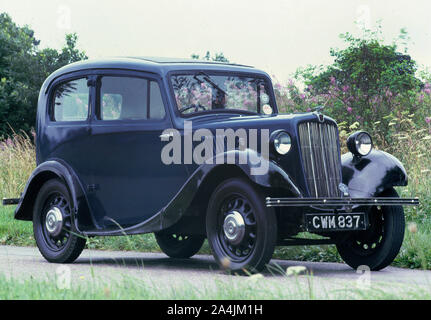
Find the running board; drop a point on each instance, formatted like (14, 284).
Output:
(331, 202)
(304, 242)
(152, 224)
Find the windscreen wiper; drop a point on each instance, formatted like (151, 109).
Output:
(208, 79)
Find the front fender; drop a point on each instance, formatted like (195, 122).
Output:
(52, 169)
(265, 173)
(370, 175)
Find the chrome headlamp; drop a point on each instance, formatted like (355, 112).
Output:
(360, 143)
(280, 140)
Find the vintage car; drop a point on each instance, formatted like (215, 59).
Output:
(192, 150)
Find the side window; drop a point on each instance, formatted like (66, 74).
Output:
(71, 101)
(127, 98)
(157, 108)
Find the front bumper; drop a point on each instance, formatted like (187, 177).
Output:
(340, 202)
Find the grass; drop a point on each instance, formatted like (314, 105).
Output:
(17, 162)
(256, 287)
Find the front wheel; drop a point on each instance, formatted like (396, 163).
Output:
(241, 230)
(378, 246)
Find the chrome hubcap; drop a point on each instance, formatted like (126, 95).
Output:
(54, 221)
(234, 227)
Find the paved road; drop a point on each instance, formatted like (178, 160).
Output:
(23, 263)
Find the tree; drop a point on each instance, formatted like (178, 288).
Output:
(367, 65)
(23, 68)
(366, 83)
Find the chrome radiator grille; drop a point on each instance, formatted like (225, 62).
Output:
(321, 158)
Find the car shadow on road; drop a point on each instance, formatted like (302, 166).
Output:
(193, 264)
(277, 268)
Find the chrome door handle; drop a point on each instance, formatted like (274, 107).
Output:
(166, 136)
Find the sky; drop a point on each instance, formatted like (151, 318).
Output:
(277, 36)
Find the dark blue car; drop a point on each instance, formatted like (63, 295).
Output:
(192, 150)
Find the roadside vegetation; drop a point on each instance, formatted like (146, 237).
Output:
(370, 85)
(256, 287)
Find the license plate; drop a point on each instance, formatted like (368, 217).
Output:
(335, 222)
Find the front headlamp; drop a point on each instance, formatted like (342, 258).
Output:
(360, 143)
(281, 142)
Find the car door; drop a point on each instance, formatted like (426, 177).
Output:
(130, 182)
(64, 134)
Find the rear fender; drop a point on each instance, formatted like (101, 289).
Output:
(53, 169)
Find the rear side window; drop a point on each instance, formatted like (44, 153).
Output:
(127, 98)
(71, 101)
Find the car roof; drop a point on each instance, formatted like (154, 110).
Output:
(166, 60)
(157, 65)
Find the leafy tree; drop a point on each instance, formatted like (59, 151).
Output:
(367, 65)
(366, 83)
(23, 68)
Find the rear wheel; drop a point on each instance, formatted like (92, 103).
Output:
(378, 246)
(179, 245)
(241, 230)
(52, 224)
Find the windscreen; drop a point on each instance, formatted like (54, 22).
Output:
(200, 92)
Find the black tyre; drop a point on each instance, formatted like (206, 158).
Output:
(178, 245)
(52, 224)
(378, 246)
(241, 230)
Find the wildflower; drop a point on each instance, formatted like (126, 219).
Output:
(427, 85)
(302, 96)
(310, 87)
(308, 109)
(333, 80)
(346, 88)
(428, 119)
(388, 93)
(295, 270)
(278, 86)
(427, 91)
(291, 82)
(9, 142)
(358, 118)
(349, 109)
(413, 228)
(255, 277)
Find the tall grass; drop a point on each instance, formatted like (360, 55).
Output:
(17, 161)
